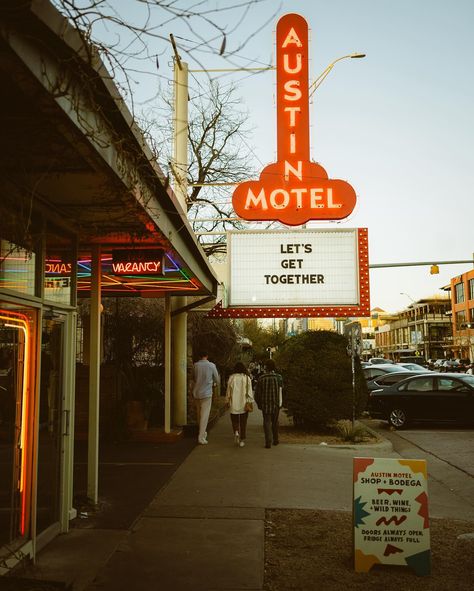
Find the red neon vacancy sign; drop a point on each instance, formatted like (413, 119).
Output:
(293, 190)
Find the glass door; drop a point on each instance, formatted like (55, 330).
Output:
(17, 367)
(50, 422)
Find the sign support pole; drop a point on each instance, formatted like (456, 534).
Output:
(179, 322)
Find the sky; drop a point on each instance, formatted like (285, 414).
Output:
(397, 125)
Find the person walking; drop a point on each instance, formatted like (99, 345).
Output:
(205, 376)
(268, 396)
(239, 396)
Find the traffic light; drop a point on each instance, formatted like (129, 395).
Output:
(434, 270)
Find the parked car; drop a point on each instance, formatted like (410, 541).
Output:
(388, 379)
(430, 396)
(413, 366)
(377, 360)
(380, 369)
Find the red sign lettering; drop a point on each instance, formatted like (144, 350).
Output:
(293, 190)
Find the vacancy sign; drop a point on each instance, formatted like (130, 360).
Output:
(294, 189)
(390, 514)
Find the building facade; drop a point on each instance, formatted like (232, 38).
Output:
(462, 302)
(84, 212)
(422, 330)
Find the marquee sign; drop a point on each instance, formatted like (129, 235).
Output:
(294, 189)
(305, 273)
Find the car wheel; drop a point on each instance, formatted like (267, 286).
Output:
(397, 418)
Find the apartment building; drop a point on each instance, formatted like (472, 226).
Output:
(423, 330)
(462, 303)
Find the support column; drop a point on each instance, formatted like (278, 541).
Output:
(168, 358)
(180, 164)
(180, 358)
(94, 379)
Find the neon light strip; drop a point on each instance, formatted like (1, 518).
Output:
(23, 326)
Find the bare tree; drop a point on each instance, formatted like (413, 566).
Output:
(132, 36)
(220, 157)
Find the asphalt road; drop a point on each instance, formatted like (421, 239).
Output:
(449, 452)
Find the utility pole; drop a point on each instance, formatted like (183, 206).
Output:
(179, 322)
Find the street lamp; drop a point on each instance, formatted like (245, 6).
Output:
(416, 318)
(312, 88)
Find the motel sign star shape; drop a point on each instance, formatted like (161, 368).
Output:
(294, 189)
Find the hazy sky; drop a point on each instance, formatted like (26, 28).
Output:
(397, 125)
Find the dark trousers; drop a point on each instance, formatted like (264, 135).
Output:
(239, 423)
(270, 426)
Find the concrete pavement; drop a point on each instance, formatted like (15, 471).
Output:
(205, 528)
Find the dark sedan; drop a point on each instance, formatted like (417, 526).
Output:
(380, 369)
(389, 379)
(431, 396)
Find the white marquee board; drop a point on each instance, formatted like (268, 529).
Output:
(309, 267)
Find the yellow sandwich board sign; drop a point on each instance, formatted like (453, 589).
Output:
(390, 514)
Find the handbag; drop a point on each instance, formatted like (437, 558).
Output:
(249, 402)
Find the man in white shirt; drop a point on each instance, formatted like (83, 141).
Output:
(205, 376)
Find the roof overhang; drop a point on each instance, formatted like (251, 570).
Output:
(73, 153)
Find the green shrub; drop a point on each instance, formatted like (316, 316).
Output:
(349, 432)
(317, 376)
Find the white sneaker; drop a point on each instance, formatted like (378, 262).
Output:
(242, 444)
(203, 441)
(236, 438)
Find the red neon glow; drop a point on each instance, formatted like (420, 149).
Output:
(139, 267)
(58, 268)
(293, 190)
(20, 322)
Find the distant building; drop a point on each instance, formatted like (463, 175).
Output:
(462, 303)
(423, 330)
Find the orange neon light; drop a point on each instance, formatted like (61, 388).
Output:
(293, 190)
(20, 322)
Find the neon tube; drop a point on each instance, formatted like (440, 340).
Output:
(22, 324)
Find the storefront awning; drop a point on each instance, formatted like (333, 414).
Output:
(97, 179)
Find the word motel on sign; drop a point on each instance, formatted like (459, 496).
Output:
(294, 189)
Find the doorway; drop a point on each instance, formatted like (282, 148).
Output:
(51, 399)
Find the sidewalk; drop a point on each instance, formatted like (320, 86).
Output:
(205, 528)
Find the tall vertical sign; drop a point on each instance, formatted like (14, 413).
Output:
(294, 189)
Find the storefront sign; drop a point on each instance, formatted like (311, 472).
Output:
(390, 514)
(294, 189)
(137, 262)
(293, 268)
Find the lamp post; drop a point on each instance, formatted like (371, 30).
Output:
(312, 88)
(416, 318)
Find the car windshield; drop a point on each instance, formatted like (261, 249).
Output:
(468, 379)
(394, 368)
(413, 366)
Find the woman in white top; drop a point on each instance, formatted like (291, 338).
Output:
(238, 394)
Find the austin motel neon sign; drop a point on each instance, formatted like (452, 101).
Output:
(293, 190)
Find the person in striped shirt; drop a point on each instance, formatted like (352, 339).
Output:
(268, 396)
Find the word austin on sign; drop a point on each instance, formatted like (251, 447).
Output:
(294, 189)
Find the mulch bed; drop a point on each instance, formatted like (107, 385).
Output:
(309, 550)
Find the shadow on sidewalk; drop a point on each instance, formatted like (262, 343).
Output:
(130, 475)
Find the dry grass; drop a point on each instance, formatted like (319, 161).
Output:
(312, 551)
(290, 434)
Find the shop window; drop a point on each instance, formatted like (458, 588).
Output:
(58, 267)
(459, 292)
(460, 319)
(471, 289)
(17, 268)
